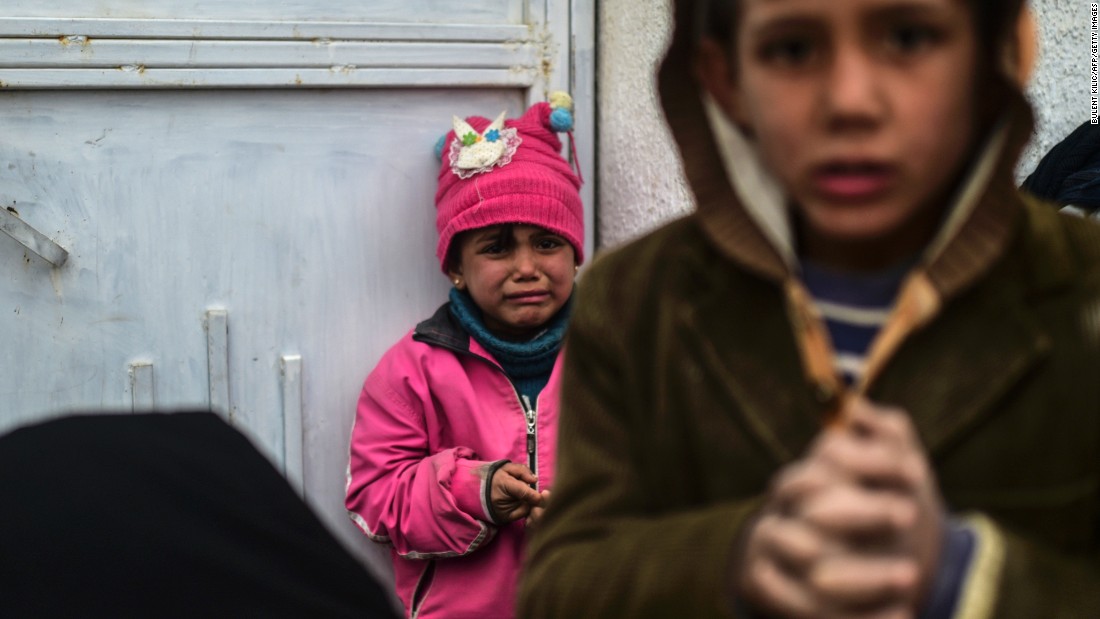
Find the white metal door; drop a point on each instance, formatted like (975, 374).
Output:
(229, 203)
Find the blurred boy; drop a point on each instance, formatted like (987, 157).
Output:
(860, 380)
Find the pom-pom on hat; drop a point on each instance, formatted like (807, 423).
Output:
(509, 172)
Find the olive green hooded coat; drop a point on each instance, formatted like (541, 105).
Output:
(696, 368)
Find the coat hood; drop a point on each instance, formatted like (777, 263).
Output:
(722, 167)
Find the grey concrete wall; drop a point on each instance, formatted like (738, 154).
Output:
(640, 181)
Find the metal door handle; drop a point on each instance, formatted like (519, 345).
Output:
(32, 239)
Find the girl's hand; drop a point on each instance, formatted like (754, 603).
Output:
(511, 496)
(535, 516)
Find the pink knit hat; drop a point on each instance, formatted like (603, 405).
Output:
(509, 172)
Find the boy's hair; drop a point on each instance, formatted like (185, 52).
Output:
(716, 20)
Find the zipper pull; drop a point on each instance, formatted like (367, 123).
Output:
(529, 414)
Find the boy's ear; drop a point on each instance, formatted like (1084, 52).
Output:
(715, 73)
(1027, 46)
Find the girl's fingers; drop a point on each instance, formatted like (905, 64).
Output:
(518, 511)
(518, 490)
(535, 516)
(519, 471)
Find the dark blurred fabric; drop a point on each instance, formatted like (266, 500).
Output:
(163, 515)
(1070, 173)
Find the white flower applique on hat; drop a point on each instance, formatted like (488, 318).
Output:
(473, 153)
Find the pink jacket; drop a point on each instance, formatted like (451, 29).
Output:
(433, 415)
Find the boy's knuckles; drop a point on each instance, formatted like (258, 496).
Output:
(851, 580)
(791, 542)
(796, 483)
(771, 588)
(848, 513)
(897, 424)
(787, 477)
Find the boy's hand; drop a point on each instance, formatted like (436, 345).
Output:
(852, 530)
(894, 463)
(511, 494)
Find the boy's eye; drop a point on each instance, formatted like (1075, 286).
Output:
(788, 52)
(905, 39)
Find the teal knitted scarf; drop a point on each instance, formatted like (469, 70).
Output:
(527, 364)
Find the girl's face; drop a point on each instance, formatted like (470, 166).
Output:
(519, 275)
(863, 109)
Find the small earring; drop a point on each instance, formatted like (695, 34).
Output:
(576, 268)
(457, 282)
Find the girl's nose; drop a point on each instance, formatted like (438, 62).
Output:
(526, 262)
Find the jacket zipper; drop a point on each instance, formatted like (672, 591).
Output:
(530, 413)
(420, 591)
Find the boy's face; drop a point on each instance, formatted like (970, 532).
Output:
(863, 109)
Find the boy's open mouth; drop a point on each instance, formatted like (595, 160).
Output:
(853, 181)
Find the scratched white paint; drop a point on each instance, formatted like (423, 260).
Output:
(141, 387)
(27, 236)
(78, 30)
(217, 364)
(278, 181)
(172, 54)
(46, 53)
(138, 76)
(290, 367)
(468, 11)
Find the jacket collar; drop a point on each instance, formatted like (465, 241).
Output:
(443, 329)
(998, 331)
(989, 341)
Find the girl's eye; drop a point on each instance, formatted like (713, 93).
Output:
(790, 52)
(494, 248)
(906, 39)
(548, 243)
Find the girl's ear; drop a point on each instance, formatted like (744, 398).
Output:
(455, 273)
(715, 73)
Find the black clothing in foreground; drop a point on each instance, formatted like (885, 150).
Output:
(160, 515)
(1070, 173)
